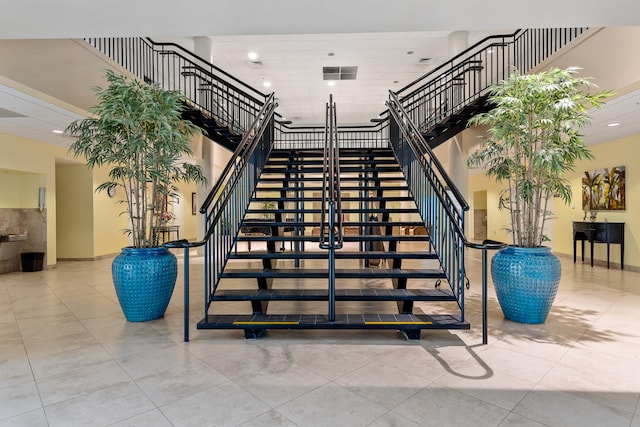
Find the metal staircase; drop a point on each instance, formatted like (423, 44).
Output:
(281, 288)
(345, 195)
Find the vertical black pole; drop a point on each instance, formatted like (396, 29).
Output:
(186, 294)
(484, 297)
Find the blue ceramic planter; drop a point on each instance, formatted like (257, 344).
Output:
(526, 282)
(144, 280)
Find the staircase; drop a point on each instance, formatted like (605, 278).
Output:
(382, 270)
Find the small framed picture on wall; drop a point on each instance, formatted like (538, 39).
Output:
(194, 208)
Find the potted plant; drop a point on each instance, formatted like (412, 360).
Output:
(137, 131)
(532, 142)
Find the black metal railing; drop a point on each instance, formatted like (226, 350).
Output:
(331, 209)
(226, 204)
(439, 202)
(313, 137)
(461, 81)
(228, 100)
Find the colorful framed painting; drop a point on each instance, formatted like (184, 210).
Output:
(604, 189)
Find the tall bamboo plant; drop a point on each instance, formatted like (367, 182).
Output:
(138, 131)
(533, 141)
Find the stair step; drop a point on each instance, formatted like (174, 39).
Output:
(342, 321)
(339, 255)
(356, 273)
(342, 187)
(257, 222)
(343, 169)
(349, 210)
(344, 199)
(342, 179)
(371, 294)
(346, 238)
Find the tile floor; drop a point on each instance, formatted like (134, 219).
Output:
(68, 358)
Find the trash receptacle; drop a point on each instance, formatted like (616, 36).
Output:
(32, 261)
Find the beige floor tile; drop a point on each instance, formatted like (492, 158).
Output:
(516, 420)
(35, 418)
(81, 381)
(569, 409)
(374, 382)
(392, 419)
(16, 371)
(179, 381)
(102, 407)
(224, 405)
(63, 362)
(18, 399)
(269, 419)
(153, 418)
(280, 383)
(439, 406)
(331, 406)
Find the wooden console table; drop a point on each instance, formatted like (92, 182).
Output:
(599, 232)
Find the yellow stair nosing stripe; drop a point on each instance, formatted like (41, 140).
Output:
(266, 323)
(398, 323)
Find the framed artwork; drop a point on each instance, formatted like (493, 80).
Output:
(194, 208)
(604, 189)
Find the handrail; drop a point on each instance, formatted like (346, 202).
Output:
(441, 209)
(331, 228)
(227, 203)
(212, 90)
(466, 78)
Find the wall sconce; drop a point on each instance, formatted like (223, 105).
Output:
(41, 198)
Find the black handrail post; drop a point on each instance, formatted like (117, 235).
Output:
(484, 298)
(332, 263)
(186, 294)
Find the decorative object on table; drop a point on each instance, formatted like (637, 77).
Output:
(138, 132)
(604, 189)
(532, 141)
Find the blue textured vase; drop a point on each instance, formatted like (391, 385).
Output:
(526, 282)
(144, 279)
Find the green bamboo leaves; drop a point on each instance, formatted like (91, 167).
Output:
(532, 141)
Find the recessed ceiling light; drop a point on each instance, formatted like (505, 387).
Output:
(252, 56)
(58, 131)
(396, 82)
(410, 52)
(267, 83)
(330, 53)
(331, 83)
(613, 124)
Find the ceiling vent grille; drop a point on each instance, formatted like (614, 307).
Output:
(339, 73)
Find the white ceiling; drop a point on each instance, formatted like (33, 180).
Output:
(293, 39)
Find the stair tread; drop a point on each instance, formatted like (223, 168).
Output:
(426, 273)
(342, 321)
(346, 238)
(339, 255)
(366, 294)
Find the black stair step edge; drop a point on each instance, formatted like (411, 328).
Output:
(259, 254)
(355, 273)
(366, 294)
(342, 321)
(344, 199)
(343, 169)
(348, 161)
(320, 179)
(266, 223)
(349, 210)
(348, 238)
(344, 152)
(343, 188)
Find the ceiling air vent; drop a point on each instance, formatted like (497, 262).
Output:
(256, 64)
(339, 73)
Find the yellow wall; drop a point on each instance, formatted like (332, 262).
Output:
(621, 152)
(74, 212)
(19, 189)
(34, 157)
